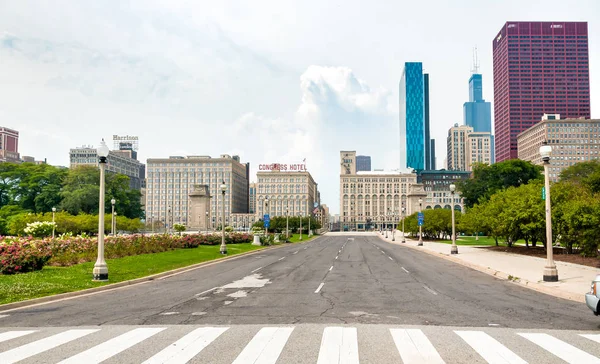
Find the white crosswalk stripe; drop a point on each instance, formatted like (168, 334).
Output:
(565, 351)
(339, 345)
(303, 343)
(36, 347)
(266, 346)
(112, 347)
(187, 347)
(414, 347)
(593, 337)
(489, 348)
(9, 335)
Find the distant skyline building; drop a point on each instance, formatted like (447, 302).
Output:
(416, 150)
(171, 181)
(572, 140)
(252, 198)
(539, 68)
(9, 145)
(466, 147)
(363, 163)
(477, 112)
(119, 161)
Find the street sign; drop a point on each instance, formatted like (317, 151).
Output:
(267, 224)
(420, 222)
(267, 220)
(420, 215)
(316, 204)
(544, 193)
(420, 218)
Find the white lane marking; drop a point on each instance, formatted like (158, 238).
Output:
(257, 269)
(331, 268)
(208, 290)
(430, 290)
(414, 347)
(9, 335)
(251, 281)
(337, 256)
(3, 316)
(404, 269)
(339, 345)
(169, 313)
(184, 349)
(320, 286)
(282, 258)
(566, 352)
(339, 251)
(593, 337)
(304, 248)
(493, 324)
(36, 347)
(266, 346)
(489, 348)
(392, 259)
(114, 346)
(296, 252)
(382, 252)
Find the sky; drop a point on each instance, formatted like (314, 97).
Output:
(273, 81)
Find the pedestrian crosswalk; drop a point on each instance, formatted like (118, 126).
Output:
(305, 343)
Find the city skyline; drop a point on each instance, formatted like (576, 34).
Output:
(174, 73)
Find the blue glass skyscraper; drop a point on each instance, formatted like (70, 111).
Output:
(478, 112)
(415, 144)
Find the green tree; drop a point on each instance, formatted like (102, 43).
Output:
(488, 179)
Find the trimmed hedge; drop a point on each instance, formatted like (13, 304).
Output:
(19, 255)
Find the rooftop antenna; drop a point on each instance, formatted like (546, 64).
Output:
(475, 68)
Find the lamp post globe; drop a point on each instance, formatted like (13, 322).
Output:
(223, 246)
(112, 221)
(550, 271)
(100, 272)
(454, 248)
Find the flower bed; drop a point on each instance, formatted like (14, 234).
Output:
(19, 255)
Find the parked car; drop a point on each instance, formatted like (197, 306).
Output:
(593, 297)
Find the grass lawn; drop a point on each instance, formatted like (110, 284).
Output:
(483, 241)
(296, 238)
(54, 280)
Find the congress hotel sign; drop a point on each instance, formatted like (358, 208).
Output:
(282, 167)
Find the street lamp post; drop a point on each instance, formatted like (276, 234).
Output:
(100, 272)
(53, 224)
(394, 225)
(115, 222)
(454, 249)
(266, 213)
(287, 224)
(300, 227)
(223, 246)
(550, 271)
(309, 233)
(386, 222)
(112, 221)
(420, 226)
(152, 217)
(403, 213)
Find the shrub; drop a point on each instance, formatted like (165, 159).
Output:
(179, 228)
(39, 229)
(23, 256)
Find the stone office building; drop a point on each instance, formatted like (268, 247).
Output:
(370, 200)
(171, 181)
(280, 191)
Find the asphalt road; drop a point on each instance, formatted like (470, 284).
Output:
(330, 280)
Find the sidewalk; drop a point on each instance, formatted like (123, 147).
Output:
(574, 280)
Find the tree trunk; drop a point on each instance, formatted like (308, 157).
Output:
(527, 242)
(496, 238)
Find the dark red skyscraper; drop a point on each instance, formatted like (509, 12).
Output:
(539, 68)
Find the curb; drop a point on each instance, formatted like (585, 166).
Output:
(159, 276)
(501, 275)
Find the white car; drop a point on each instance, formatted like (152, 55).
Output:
(593, 297)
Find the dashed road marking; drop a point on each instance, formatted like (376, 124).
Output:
(3, 316)
(404, 269)
(336, 256)
(430, 290)
(392, 259)
(331, 268)
(257, 269)
(169, 313)
(208, 290)
(282, 258)
(320, 286)
(296, 252)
